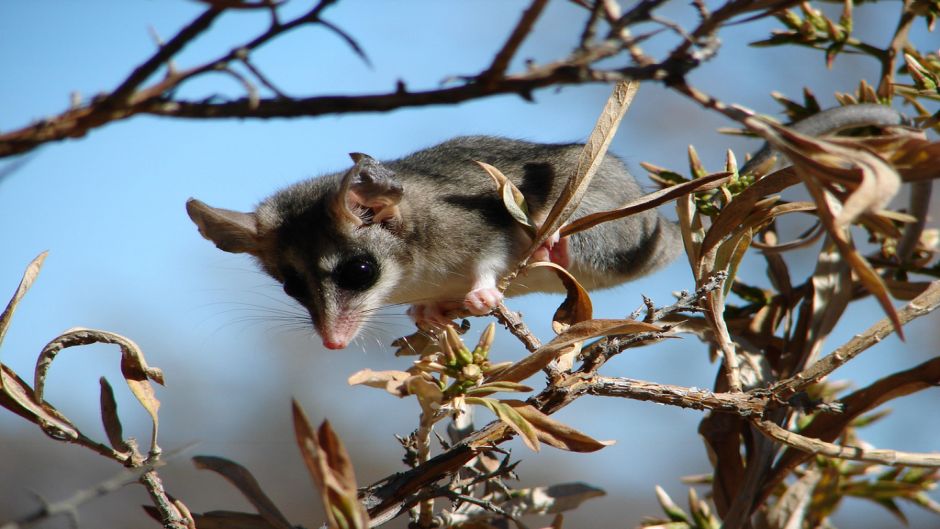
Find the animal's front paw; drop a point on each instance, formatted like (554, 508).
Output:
(482, 300)
(554, 249)
(433, 313)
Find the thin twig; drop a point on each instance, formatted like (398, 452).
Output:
(924, 304)
(71, 504)
(855, 453)
(498, 68)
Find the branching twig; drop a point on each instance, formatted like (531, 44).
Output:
(71, 504)
(922, 305)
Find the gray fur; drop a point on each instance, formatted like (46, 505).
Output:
(448, 227)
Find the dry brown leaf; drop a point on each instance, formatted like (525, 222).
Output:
(32, 271)
(729, 256)
(646, 202)
(18, 397)
(820, 164)
(134, 368)
(332, 472)
(690, 227)
(831, 294)
(554, 433)
(391, 381)
(110, 419)
(591, 157)
(916, 159)
(497, 387)
(420, 343)
(733, 214)
(242, 479)
(577, 306)
(578, 332)
(867, 275)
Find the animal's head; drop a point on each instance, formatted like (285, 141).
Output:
(330, 242)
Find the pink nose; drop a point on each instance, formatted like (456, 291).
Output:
(329, 344)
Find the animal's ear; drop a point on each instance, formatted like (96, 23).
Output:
(369, 193)
(231, 231)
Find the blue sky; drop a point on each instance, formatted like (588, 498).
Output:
(124, 256)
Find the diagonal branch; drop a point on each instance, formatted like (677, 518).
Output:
(924, 304)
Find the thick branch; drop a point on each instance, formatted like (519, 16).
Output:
(744, 404)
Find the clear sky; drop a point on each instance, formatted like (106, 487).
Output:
(125, 257)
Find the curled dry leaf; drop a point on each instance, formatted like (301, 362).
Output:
(401, 384)
(577, 306)
(578, 332)
(513, 199)
(871, 182)
(332, 472)
(554, 433)
(134, 368)
(246, 483)
(909, 151)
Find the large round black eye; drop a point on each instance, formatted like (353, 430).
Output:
(358, 273)
(293, 283)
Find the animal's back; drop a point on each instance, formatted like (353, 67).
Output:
(603, 256)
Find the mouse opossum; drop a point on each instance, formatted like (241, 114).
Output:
(431, 230)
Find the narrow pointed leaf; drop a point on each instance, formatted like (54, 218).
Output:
(246, 483)
(109, 417)
(32, 271)
(554, 433)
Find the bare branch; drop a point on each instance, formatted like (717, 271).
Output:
(922, 305)
(506, 53)
(872, 455)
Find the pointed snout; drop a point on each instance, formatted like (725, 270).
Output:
(338, 334)
(335, 344)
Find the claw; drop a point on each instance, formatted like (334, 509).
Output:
(482, 300)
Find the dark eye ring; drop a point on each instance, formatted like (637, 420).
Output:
(357, 273)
